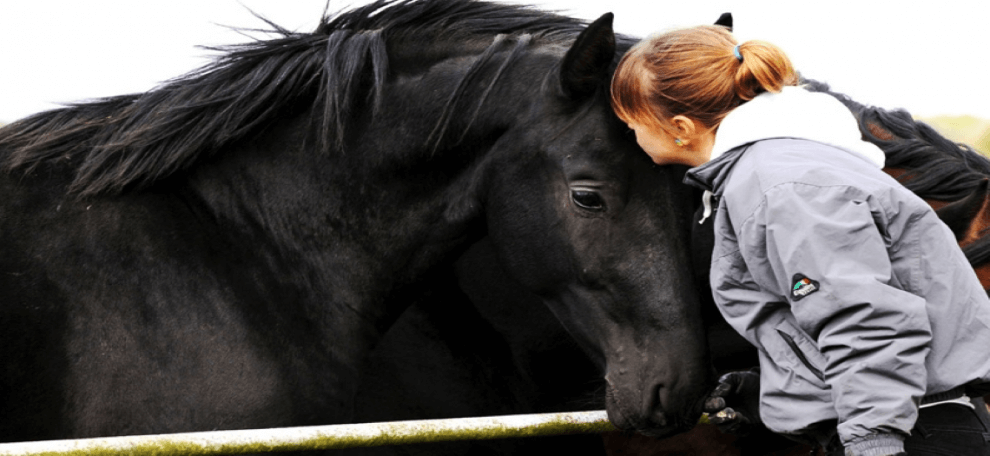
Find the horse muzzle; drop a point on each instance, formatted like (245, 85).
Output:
(656, 405)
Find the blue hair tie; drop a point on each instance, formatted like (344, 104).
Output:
(735, 52)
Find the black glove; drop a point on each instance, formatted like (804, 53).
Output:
(734, 405)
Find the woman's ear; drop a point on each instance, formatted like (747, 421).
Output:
(686, 127)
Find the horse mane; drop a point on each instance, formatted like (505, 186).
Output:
(131, 141)
(936, 168)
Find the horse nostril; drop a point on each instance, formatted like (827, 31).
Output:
(657, 415)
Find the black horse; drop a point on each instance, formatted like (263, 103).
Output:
(224, 251)
(504, 356)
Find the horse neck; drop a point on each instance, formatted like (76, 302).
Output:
(341, 229)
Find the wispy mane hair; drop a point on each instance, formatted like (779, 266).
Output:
(131, 141)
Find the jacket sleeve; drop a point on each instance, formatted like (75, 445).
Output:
(826, 249)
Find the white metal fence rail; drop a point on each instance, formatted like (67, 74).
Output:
(323, 437)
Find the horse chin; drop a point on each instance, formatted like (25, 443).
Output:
(658, 430)
(660, 423)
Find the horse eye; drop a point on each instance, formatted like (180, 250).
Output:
(587, 199)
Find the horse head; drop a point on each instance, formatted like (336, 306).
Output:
(580, 216)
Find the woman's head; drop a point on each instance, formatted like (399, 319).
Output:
(694, 74)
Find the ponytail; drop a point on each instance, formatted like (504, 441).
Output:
(763, 68)
(698, 72)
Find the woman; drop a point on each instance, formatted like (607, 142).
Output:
(872, 328)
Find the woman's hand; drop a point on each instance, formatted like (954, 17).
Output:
(734, 405)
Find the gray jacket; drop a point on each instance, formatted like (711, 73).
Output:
(856, 295)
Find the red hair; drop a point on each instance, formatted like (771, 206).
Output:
(694, 72)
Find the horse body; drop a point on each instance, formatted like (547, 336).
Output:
(225, 251)
(171, 314)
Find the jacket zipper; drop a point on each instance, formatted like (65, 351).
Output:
(800, 354)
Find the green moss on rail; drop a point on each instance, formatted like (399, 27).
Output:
(398, 433)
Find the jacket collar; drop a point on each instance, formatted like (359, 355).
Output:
(710, 176)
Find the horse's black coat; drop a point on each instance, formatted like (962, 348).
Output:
(224, 251)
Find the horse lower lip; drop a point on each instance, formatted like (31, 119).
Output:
(657, 424)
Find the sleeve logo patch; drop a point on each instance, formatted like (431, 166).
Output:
(802, 286)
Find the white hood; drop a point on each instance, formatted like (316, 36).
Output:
(795, 113)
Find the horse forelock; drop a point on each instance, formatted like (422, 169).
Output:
(131, 141)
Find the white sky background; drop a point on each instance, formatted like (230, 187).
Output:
(931, 58)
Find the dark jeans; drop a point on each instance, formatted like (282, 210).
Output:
(948, 430)
(951, 430)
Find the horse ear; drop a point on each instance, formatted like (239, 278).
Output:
(586, 64)
(725, 20)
